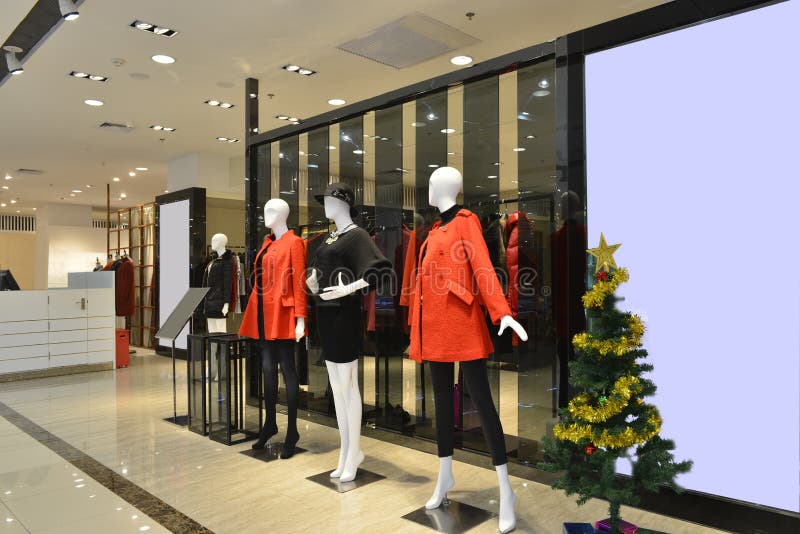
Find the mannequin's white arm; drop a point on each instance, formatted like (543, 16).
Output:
(342, 290)
(313, 283)
(300, 328)
(507, 321)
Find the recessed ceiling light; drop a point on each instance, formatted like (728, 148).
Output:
(152, 28)
(166, 190)
(461, 60)
(358, 151)
(541, 92)
(79, 74)
(68, 10)
(97, 78)
(492, 176)
(163, 59)
(337, 101)
(222, 138)
(293, 119)
(530, 137)
(123, 195)
(13, 200)
(93, 102)
(447, 130)
(169, 129)
(131, 174)
(228, 139)
(212, 102)
(226, 105)
(77, 191)
(73, 195)
(142, 168)
(518, 149)
(18, 211)
(418, 124)
(34, 209)
(9, 177)
(2, 204)
(5, 187)
(158, 127)
(299, 70)
(432, 165)
(115, 179)
(88, 186)
(282, 117)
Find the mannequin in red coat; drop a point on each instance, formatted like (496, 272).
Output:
(457, 282)
(275, 316)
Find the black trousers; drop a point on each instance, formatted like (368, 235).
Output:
(274, 352)
(477, 382)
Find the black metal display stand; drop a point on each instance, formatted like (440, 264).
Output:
(231, 419)
(171, 329)
(200, 384)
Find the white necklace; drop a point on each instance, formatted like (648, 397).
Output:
(336, 233)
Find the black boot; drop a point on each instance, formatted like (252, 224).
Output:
(287, 451)
(267, 431)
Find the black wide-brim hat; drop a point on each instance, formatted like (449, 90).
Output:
(343, 192)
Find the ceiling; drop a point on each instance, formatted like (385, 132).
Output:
(46, 125)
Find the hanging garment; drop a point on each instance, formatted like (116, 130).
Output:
(218, 278)
(124, 294)
(234, 284)
(455, 280)
(278, 297)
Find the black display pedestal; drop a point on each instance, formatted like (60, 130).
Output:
(363, 477)
(452, 517)
(231, 420)
(197, 361)
(270, 452)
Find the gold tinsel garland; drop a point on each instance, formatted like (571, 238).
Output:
(619, 346)
(595, 297)
(621, 394)
(628, 438)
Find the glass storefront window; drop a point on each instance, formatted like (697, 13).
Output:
(499, 131)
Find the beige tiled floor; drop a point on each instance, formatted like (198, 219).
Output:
(41, 492)
(116, 417)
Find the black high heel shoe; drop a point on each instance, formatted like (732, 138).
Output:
(264, 435)
(287, 451)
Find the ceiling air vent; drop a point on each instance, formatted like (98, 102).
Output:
(408, 41)
(35, 172)
(117, 127)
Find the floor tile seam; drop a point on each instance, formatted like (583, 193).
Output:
(135, 495)
(16, 518)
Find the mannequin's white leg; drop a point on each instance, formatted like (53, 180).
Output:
(443, 483)
(354, 454)
(340, 403)
(508, 499)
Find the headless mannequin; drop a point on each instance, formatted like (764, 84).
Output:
(218, 244)
(343, 376)
(276, 211)
(445, 185)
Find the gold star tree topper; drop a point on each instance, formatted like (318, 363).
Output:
(604, 254)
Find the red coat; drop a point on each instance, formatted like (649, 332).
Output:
(454, 282)
(279, 289)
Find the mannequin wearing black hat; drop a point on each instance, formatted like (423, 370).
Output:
(342, 265)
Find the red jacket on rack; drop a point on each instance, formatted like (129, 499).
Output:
(278, 297)
(454, 282)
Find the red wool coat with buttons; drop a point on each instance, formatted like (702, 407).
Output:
(454, 283)
(279, 289)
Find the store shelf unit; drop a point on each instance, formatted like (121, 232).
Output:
(132, 231)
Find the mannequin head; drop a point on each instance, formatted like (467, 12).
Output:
(336, 209)
(444, 186)
(218, 243)
(276, 211)
(570, 205)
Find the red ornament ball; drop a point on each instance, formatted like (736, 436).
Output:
(589, 449)
(602, 276)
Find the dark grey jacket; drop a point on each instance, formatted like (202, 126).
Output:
(219, 278)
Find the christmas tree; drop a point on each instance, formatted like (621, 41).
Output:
(609, 418)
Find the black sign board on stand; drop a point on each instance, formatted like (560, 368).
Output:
(172, 328)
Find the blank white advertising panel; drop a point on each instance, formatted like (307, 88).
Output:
(692, 161)
(174, 262)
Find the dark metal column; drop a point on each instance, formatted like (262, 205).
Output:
(251, 184)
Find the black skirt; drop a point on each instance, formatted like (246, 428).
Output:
(341, 330)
